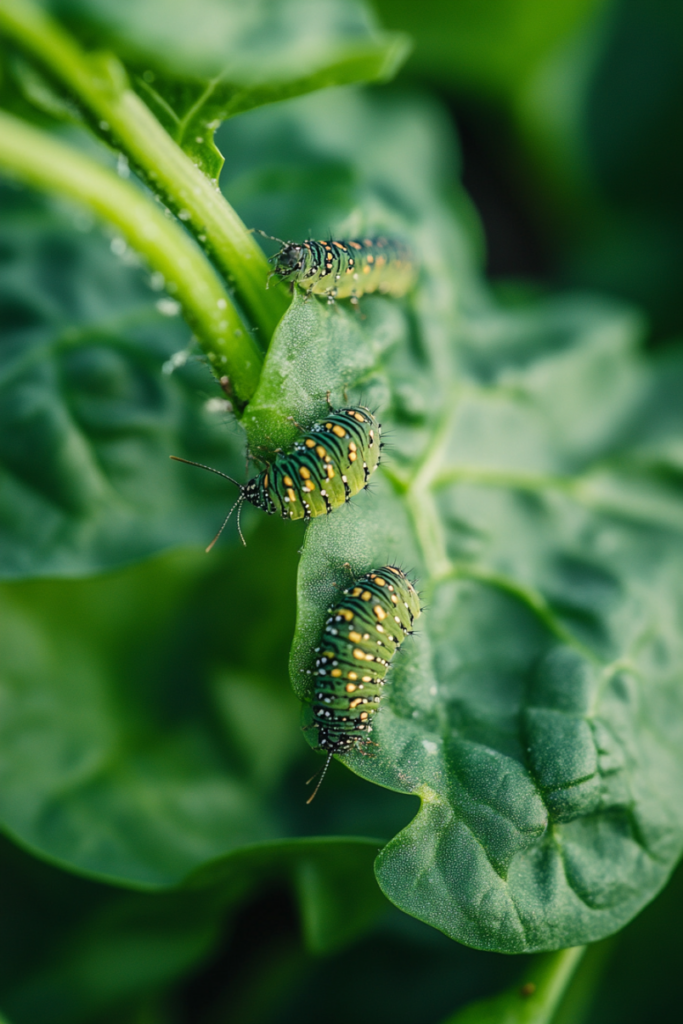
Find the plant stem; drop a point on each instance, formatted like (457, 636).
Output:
(99, 83)
(37, 159)
(534, 1000)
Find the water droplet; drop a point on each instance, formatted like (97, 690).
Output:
(176, 360)
(168, 307)
(199, 140)
(184, 215)
(157, 281)
(218, 405)
(118, 246)
(222, 304)
(122, 168)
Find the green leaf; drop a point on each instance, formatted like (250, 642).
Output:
(89, 413)
(196, 66)
(537, 713)
(113, 759)
(145, 740)
(79, 949)
(490, 49)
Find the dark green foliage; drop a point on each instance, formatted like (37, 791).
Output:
(159, 863)
(88, 413)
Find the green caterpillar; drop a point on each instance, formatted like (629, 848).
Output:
(328, 465)
(347, 269)
(362, 634)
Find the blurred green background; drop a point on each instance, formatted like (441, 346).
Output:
(570, 117)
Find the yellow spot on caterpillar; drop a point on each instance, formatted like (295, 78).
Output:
(356, 637)
(355, 703)
(346, 614)
(336, 672)
(368, 242)
(305, 473)
(309, 442)
(289, 482)
(358, 654)
(290, 494)
(265, 481)
(352, 446)
(339, 431)
(330, 472)
(329, 654)
(355, 245)
(369, 657)
(352, 456)
(367, 679)
(380, 582)
(350, 687)
(351, 675)
(320, 451)
(366, 595)
(363, 715)
(379, 612)
(394, 598)
(370, 258)
(366, 270)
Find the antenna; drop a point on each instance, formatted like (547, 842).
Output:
(273, 238)
(237, 505)
(322, 776)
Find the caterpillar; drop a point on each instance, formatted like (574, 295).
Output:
(362, 633)
(348, 269)
(328, 465)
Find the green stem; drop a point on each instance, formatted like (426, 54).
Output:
(99, 83)
(534, 1000)
(35, 158)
